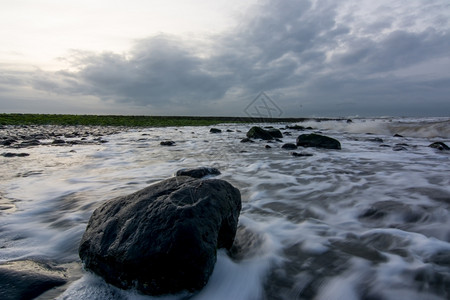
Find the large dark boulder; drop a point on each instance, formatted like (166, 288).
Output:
(260, 133)
(162, 239)
(318, 141)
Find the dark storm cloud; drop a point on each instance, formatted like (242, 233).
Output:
(328, 55)
(159, 71)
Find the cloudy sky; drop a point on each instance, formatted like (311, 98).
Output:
(200, 57)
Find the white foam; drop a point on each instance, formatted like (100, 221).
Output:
(290, 202)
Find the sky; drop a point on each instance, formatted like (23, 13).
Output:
(280, 58)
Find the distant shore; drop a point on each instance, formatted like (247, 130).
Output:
(136, 121)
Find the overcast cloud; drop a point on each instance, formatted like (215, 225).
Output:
(321, 58)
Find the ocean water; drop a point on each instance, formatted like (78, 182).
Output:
(369, 221)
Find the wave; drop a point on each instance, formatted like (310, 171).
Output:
(407, 127)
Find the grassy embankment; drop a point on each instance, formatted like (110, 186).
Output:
(132, 121)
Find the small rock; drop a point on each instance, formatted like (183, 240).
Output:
(300, 154)
(8, 142)
(376, 140)
(215, 130)
(10, 154)
(439, 146)
(27, 279)
(296, 127)
(58, 142)
(30, 143)
(167, 143)
(399, 148)
(267, 146)
(275, 133)
(247, 140)
(318, 141)
(198, 172)
(398, 135)
(289, 146)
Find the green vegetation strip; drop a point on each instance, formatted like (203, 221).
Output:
(104, 120)
(131, 121)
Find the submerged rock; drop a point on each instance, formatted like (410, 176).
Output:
(400, 147)
(376, 140)
(300, 154)
(162, 239)
(215, 130)
(260, 133)
(10, 154)
(167, 143)
(439, 146)
(27, 279)
(247, 140)
(296, 127)
(289, 146)
(275, 133)
(198, 172)
(318, 141)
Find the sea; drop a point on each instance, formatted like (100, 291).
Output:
(368, 221)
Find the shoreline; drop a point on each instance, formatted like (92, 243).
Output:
(139, 121)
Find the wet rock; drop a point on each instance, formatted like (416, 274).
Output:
(162, 239)
(268, 147)
(10, 154)
(58, 142)
(300, 154)
(8, 142)
(198, 172)
(229, 130)
(167, 143)
(318, 141)
(439, 146)
(275, 133)
(440, 258)
(246, 244)
(432, 280)
(401, 211)
(260, 133)
(247, 140)
(289, 146)
(215, 130)
(356, 248)
(295, 127)
(399, 147)
(28, 279)
(398, 135)
(349, 121)
(376, 140)
(29, 143)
